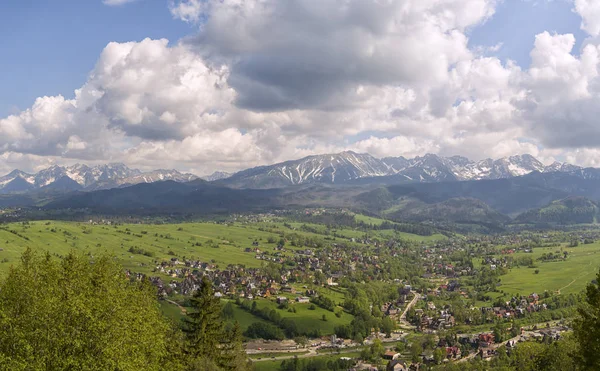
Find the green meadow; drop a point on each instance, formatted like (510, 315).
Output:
(221, 244)
(218, 243)
(273, 365)
(309, 319)
(569, 276)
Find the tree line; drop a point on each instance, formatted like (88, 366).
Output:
(82, 312)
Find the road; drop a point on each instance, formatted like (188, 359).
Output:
(402, 320)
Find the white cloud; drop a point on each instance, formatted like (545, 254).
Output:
(267, 80)
(117, 2)
(187, 10)
(589, 10)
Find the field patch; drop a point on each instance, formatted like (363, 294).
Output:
(569, 276)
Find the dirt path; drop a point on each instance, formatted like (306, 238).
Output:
(182, 309)
(572, 282)
(403, 321)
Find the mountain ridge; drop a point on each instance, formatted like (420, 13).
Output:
(349, 166)
(83, 177)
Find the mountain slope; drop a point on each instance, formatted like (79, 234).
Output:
(217, 175)
(167, 197)
(455, 210)
(571, 210)
(15, 185)
(354, 168)
(334, 168)
(88, 178)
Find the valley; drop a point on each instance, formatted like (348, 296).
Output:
(308, 275)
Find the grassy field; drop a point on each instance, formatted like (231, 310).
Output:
(244, 318)
(569, 276)
(218, 243)
(307, 319)
(273, 365)
(210, 242)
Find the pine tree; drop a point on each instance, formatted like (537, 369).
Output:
(203, 326)
(235, 358)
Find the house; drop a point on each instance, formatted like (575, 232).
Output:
(302, 299)
(311, 293)
(391, 355)
(485, 340)
(281, 299)
(453, 352)
(288, 289)
(397, 365)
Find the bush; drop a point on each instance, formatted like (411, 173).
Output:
(261, 330)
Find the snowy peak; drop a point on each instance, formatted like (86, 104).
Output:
(85, 177)
(347, 166)
(330, 168)
(217, 175)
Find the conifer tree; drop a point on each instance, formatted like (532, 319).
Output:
(235, 358)
(203, 326)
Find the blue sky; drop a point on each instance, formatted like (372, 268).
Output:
(322, 76)
(49, 47)
(516, 22)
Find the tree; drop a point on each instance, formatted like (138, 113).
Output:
(80, 313)
(264, 330)
(498, 332)
(526, 356)
(203, 325)
(235, 358)
(377, 349)
(438, 356)
(559, 355)
(587, 327)
(228, 311)
(387, 326)
(415, 351)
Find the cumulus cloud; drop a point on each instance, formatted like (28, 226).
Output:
(590, 14)
(263, 81)
(305, 54)
(188, 10)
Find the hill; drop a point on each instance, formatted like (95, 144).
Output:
(454, 210)
(571, 210)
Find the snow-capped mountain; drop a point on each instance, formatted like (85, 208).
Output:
(350, 166)
(331, 168)
(217, 175)
(84, 177)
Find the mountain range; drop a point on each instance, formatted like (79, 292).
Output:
(489, 194)
(83, 177)
(340, 168)
(355, 168)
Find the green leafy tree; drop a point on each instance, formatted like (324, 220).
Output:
(415, 352)
(438, 356)
(80, 313)
(560, 355)
(387, 326)
(587, 327)
(526, 356)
